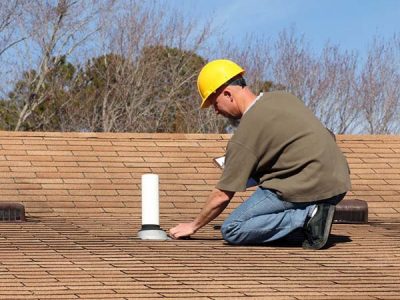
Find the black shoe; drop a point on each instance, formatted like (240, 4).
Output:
(318, 227)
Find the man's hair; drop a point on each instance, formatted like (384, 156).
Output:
(237, 80)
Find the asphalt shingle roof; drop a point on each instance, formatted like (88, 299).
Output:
(82, 197)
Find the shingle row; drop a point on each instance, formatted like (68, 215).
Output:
(100, 173)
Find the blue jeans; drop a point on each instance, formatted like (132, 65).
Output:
(264, 218)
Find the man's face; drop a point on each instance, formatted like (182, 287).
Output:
(224, 104)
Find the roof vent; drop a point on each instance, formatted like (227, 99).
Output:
(12, 212)
(351, 211)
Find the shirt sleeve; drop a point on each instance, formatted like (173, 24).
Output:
(239, 164)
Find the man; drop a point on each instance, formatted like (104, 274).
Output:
(301, 172)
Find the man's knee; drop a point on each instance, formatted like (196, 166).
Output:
(229, 233)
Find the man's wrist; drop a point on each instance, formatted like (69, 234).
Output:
(194, 225)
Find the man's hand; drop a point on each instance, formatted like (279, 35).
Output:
(182, 230)
(216, 203)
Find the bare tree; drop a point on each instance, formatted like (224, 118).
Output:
(56, 29)
(148, 70)
(379, 87)
(335, 100)
(295, 67)
(115, 65)
(9, 12)
(254, 54)
(326, 82)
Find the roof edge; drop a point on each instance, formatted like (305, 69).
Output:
(173, 136)
(116, 135)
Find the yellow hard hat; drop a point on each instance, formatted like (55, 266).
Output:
(213, 75)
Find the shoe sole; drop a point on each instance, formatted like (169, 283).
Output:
(328, 227)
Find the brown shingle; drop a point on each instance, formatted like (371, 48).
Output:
(82, 197)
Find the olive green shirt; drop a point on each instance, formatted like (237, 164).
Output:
(280, 142)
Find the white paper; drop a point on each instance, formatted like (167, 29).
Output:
(220, 161)
(150, 200)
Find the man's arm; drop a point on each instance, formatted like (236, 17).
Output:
(216, 203)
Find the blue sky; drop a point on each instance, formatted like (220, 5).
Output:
(348, 23)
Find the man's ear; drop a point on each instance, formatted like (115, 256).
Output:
(227, 93)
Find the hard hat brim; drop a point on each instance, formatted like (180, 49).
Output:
(206, 103)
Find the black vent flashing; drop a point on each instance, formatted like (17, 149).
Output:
(352, 211)
(12, 212)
